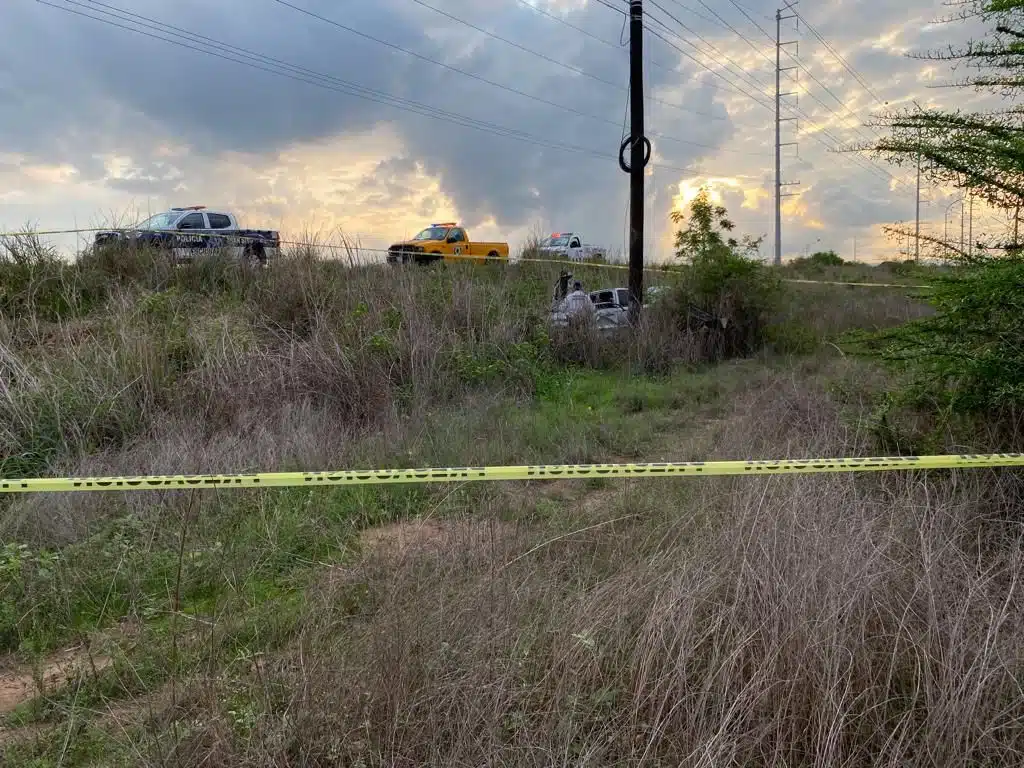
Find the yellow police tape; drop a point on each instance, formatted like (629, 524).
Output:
(530, 472)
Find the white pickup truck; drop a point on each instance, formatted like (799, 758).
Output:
(187, 232)
(569, 245)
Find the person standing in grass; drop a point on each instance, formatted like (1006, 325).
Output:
(578, 303)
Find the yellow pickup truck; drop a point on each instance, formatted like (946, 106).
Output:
(449, 242)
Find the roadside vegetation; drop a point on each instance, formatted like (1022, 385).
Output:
(788, 621)
(586, 622)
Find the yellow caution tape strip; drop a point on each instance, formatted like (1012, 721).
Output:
(866, 285)
(531, 472)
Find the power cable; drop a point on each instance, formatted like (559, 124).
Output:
(753, 21)
(310, 77)
(547, 58)
(839, 57)
(722, 22)
(731, 86)
(857, 160)
(473, 75)
(716, 54)
(618, 47)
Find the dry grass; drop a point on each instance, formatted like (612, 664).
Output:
(782, 622)
(810, 621)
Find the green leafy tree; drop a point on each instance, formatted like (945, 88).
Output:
(968, 357)
(979, 152)
(708, 230)
(725, 293)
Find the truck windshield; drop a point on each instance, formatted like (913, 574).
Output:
(551, 242)
(432, 233)
(160, 221)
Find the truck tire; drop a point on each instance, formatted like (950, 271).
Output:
(494, 258)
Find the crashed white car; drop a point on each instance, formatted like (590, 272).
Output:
(610, 308)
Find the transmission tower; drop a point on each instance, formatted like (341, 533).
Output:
(780, 16)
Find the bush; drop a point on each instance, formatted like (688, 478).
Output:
(967, 357)
(819, 259)
(726, 294)
(725, 299)
(793, 338)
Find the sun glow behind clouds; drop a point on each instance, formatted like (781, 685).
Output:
(690, 188)
(719, 188)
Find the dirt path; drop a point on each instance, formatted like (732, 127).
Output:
(21, 683)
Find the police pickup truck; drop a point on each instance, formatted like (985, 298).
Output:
(569, 245)
(191, 231)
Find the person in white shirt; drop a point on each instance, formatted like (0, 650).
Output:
(578, 303)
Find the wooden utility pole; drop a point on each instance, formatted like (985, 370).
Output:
(639, 154)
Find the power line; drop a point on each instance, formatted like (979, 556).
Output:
(716, 52)
(858, 161)
(750, 18)
(474, 76)
(728, 26)
(607, 5)
(549, 59)
(248, 58)
(570, 25)
(839, 57)
(608, 43)
(616, 46)
(731, 87)
(721, 54)
(731, 83)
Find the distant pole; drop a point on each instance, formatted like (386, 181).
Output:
(963, 209)
(639, 147)
(854, 247)
(970, 225)
(917, 214)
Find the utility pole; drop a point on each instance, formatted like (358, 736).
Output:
(639, 154)
(970, 225)
(779, 184)
(962, 211)
(917, 214)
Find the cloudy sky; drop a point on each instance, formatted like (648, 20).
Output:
(307, 116)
